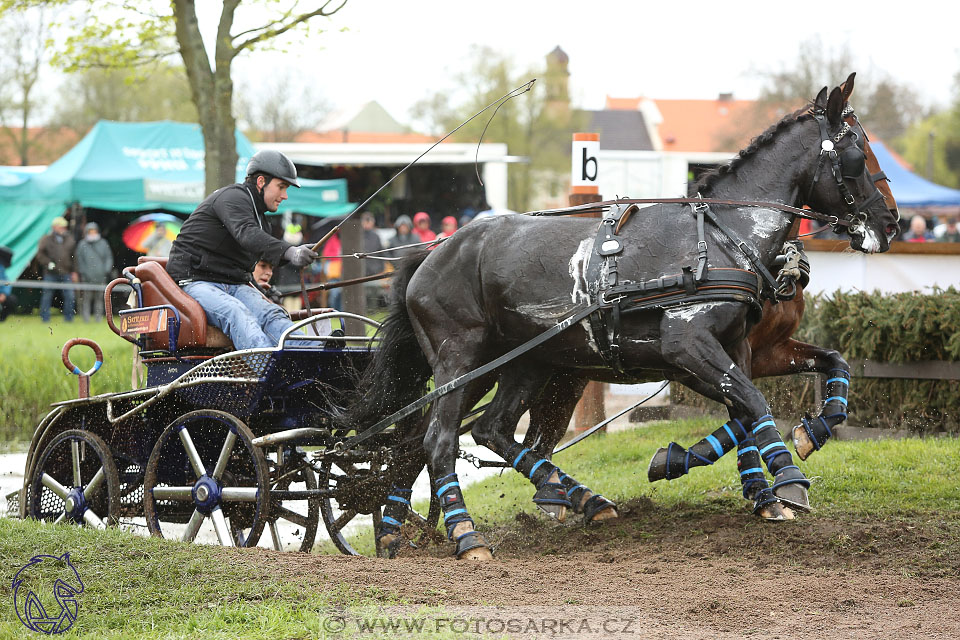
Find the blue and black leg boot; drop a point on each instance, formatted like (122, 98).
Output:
(813, 433)
(673, 461)
(789, 483)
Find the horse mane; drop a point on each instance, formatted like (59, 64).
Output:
(711, 177)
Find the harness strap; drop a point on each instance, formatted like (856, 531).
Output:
(699, 210)
(747, 250)
(466, 378)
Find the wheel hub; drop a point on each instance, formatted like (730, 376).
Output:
(206, 494)
(75, 505)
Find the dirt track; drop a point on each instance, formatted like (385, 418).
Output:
(815, 579)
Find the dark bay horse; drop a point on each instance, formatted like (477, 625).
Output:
(501, 282)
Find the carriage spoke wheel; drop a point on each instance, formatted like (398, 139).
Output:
(343, 517)
(76, 481)
(294, 520)
(206, 481)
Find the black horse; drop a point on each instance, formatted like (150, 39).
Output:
(678, 288)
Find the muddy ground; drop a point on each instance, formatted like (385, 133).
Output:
(666, 574)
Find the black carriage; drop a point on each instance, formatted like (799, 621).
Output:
(228, 446)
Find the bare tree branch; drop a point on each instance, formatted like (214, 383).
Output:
(274, 32)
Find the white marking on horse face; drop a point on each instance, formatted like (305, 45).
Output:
(578, 271)
(868, 238)
(690, 311)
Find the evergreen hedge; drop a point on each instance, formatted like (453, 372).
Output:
(904, 327)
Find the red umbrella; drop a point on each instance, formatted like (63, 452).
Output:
(144, 227)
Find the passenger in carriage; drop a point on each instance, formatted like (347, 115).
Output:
(214, 255)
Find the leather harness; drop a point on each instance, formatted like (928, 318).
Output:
(694, 284)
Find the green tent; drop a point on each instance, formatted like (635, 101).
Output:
(132, 167)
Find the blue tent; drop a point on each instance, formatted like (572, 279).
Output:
(908, 188)
(131, 167)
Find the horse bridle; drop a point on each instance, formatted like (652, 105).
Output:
(849, 163)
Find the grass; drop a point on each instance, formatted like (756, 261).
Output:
(882, 479)
(32, 375)
(138, 587)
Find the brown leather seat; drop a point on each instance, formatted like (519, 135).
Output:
(159, 288)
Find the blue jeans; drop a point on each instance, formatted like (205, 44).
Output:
(249, 319)
(46, 298)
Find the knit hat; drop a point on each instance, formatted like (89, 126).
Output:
(59, 221)
(404, 219)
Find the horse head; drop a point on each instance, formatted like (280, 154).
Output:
(841, 181)
(33, 584)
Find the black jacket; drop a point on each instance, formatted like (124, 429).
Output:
(224, 237)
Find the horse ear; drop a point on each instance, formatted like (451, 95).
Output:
(835, 106)
(847, 86)
(821, 101)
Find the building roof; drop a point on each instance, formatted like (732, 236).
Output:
(620, 130)
(362, 137)
(47, 144)
(724, 124)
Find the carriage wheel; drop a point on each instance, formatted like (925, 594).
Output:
(294, 519)
(346, 515)
(205, 476)
(76, 481)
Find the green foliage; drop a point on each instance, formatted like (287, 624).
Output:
(537, 125)
(935, 139)
(903, 327)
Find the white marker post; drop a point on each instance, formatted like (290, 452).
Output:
(584, 188)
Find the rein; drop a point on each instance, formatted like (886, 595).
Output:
(606, 204)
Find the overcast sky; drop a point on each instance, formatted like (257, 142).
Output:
(396, 51)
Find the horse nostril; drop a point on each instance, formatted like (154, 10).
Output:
(892, 229)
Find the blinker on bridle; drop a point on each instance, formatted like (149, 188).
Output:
(849, 163)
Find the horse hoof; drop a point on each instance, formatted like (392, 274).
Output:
(802, 442)
(556, 511)
(657, 470)
(794, 496)
(383, 545)
(775, 512)
(480, 554)
(610, 513)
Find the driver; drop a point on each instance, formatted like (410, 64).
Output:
(213, 256)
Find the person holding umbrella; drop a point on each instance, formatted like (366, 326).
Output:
(218, 246)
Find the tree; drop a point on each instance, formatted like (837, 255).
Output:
(160, 92)
(280, 108)
(536, 125)
(885, 106)
(123, 34)
(22, 56)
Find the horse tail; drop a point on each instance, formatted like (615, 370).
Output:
(398, 371)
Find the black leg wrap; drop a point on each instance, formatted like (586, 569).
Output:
(575, 491)
(447, 489)
(751, 472)
(834, 411)
(789, 483)
(538, 469)
(764, 497)
(595, 504)
(395, 511)
(468, 541)
(675, 461)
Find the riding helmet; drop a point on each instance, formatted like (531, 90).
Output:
(273, 163)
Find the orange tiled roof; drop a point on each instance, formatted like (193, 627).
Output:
(362, 137)
(48, 145)
(725, 125)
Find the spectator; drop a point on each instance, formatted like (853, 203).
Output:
(950, 232)
(7, 300)
(371, 243)
(918, 231)
(158, 244)
(449, 226)
(421, 227)
(332, 270)
(55, 253)
(94, 263)
(403, 237)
